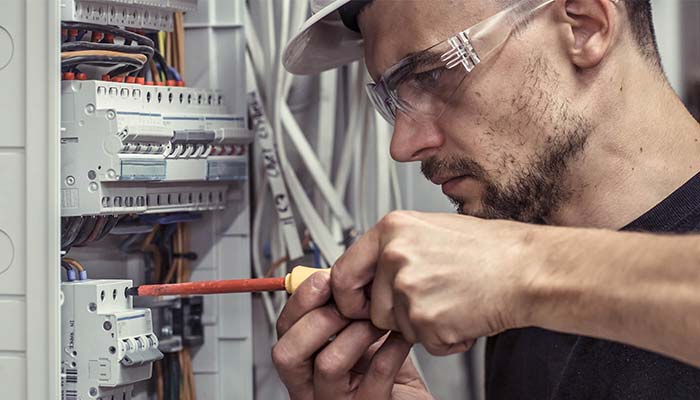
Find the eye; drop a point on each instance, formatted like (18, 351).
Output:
(429, 78)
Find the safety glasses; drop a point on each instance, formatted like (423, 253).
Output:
(422, 84)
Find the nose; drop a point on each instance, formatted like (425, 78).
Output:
(413, 140)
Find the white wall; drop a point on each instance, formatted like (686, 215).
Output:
(668, 33)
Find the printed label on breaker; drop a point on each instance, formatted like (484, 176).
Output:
(227, 170)
(142, 170)
(69, 395)
(71, 375)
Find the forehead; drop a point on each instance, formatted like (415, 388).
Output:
(393, 29)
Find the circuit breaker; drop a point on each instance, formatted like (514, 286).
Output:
(129, 148)
(107, 345)
(146, 14)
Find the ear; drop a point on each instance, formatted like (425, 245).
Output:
(590, 29)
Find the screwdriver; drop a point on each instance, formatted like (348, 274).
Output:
(290, 283)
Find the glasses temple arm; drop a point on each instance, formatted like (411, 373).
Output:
(491, 33)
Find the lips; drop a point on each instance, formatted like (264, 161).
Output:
(443, 179)
(449, 185)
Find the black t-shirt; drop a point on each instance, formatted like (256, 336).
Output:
(536, 364)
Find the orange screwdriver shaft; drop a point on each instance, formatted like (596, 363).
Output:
(210, 287)
(290, 283)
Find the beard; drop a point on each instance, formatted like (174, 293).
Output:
(531, 193)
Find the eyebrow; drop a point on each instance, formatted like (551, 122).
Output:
(412, 62)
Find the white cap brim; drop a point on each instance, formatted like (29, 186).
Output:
(323, 42)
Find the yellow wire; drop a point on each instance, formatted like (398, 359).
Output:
(161, 50)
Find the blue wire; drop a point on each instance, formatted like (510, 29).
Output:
(174, 73)
(70, 274)
(317, 255)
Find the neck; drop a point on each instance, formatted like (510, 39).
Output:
(644, 147)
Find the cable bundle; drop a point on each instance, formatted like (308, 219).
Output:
(126, 55)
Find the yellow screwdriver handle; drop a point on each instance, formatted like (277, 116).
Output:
(298, 275)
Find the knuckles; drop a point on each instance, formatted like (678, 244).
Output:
(283, 358)
(383, 367)
(395, 220)
(328, 364)
(407, 283)
(394, 253)
(423, 316)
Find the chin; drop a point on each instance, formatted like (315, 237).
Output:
(466, 207)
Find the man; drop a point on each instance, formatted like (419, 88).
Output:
(551, 112)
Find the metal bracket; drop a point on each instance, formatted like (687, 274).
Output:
(462, 52)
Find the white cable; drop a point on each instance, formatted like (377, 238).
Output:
(266, 140)
(395, 186)
(268, 13)
(314, 167)
(254, 50)
(355, 115)
(325, 139)
(298, 15)
(328, 247)
(327, 118)
(383, 175)
(257, 224)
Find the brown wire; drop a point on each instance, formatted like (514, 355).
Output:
(149, 247)
(154, 72)
(190, 373)
(74, 263)
(180, 33)
(96, 231)
(160, 390)
(169, 48)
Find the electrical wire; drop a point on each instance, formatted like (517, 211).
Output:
(73, 228)
(109, 47)
(116, 31)
(111, 223)
(85, 230)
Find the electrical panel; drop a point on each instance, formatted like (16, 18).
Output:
(118, 175)
(107, 345)
(143, 14)
(154, 188)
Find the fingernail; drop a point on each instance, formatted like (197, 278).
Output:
(318, 281)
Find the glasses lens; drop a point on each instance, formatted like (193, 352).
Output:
(382, 102)
(426, 92)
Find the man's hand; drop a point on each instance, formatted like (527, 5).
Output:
(442, 280)
(360, 362)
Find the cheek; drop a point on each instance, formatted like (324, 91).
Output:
(493, 125)
(483, 127)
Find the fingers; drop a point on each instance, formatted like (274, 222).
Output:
(352, 272)
(293, 353)
(381, 304)
(313, 293)
(386, 364)
(447, 349)
(333, 365)
(403, 322)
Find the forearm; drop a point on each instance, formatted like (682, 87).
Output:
(639, 289)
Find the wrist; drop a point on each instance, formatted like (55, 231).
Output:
(544, 259)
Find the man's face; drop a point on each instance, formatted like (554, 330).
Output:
(504, 143)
